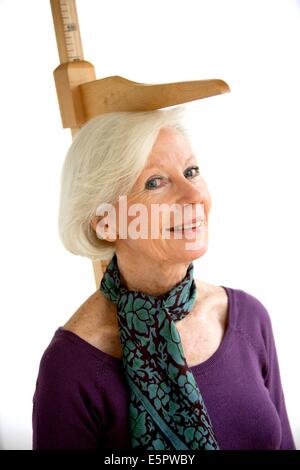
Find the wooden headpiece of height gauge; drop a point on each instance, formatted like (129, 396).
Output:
(81, 97)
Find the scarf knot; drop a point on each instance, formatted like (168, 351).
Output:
(178, 301)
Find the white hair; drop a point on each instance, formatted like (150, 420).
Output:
(103, 162)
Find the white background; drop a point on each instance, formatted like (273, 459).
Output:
(247, 144)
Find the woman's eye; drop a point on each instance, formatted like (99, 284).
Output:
(189, 173)
(193, 168)
(150, 184)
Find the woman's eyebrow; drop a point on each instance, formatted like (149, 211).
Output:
(190, 157)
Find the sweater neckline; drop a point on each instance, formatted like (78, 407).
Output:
(196, 369)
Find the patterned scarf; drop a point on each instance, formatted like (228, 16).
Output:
(166, 409)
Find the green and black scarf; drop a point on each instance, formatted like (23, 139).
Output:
(166, 409)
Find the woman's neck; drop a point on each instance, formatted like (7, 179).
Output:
(139, 273)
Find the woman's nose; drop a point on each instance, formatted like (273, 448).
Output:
(190, 192)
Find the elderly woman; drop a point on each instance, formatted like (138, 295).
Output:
(153, 359)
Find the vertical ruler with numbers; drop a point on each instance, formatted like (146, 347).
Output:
(72, 72)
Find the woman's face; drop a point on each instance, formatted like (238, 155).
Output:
(170, 177)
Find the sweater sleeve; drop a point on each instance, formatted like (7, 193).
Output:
(64, 415)
(273, 383)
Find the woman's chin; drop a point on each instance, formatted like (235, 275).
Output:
(188, 250)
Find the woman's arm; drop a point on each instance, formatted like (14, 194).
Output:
(63, 416)
(273, 383)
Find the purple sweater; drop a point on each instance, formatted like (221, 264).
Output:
(81, 396)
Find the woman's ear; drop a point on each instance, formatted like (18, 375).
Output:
(104, 228)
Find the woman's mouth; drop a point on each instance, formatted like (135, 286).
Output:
(188, 228)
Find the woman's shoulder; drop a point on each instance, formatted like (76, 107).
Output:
(76, 356)
(95, 322)
(251, 306)
(72, 391)
(81, 344)
(246, 310)
(249, 315)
